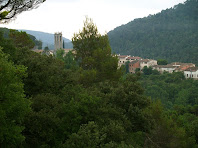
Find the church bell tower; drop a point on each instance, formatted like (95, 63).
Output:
(58, 41)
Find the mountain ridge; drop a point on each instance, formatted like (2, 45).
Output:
(171, 34)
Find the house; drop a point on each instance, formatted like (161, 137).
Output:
(133, 58)
(173, 67)
(133, 66)
(126, 58)
(122, 59)
(165, 68)
(182, 66)
(147, 63)
(191, 72)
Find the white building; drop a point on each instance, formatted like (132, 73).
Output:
(173, 67)
(165, 68)
(126, 58)
(122, 59)
(147, 63)
(191, 72)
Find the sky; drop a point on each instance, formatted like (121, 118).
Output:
(67, 16)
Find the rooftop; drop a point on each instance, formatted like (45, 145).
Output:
(133, 58)
(192, 69)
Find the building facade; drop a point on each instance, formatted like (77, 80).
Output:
(191, 72)
(58, 41)
(133, 66)
(147, 63)
(122, 59)
(173, 67)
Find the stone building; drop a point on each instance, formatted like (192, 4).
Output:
(122, 59)
(173, 67)
(147, 63)
(133, 66)
(58, 41)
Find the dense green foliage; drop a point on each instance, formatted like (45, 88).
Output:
(93, 53)
(22, 35)
(180, 99)
(13, 104)
(162, 62)
(56, 101)
(171, 34)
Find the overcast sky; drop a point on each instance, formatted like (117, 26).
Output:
(67, 16)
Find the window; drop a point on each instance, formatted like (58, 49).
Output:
(187, 75)
(192, 75)
(123, 61)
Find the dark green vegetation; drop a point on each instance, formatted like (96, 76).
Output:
(21, 36)
(84, 101)
(171, 34)
(41, 39)
(180, 100)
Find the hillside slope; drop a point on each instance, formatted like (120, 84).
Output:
(171, 34)
(48, 39)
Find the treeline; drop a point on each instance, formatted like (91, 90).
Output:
(85, 100)
(7, 34)
(179, 97)
(171, 34)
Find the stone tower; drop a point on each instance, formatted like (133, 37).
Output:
(58, 41)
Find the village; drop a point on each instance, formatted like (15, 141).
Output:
(134, 63)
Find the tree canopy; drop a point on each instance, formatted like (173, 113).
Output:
(93, 52)
(10, 8)
(13, 104)
(51, 101)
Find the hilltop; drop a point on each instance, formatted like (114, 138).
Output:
(171, 34)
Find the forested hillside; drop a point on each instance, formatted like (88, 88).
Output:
(171, 34)
(85, 101)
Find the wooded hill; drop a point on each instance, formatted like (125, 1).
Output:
(171, 34)
(37, 37)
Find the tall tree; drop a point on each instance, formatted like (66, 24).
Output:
(85, 43)
(13, 104)
(10, 8)
(93, 52)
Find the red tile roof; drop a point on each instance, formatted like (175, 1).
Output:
(192, 69)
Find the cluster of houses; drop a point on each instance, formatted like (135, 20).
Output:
(51, 52)
(134, 63)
